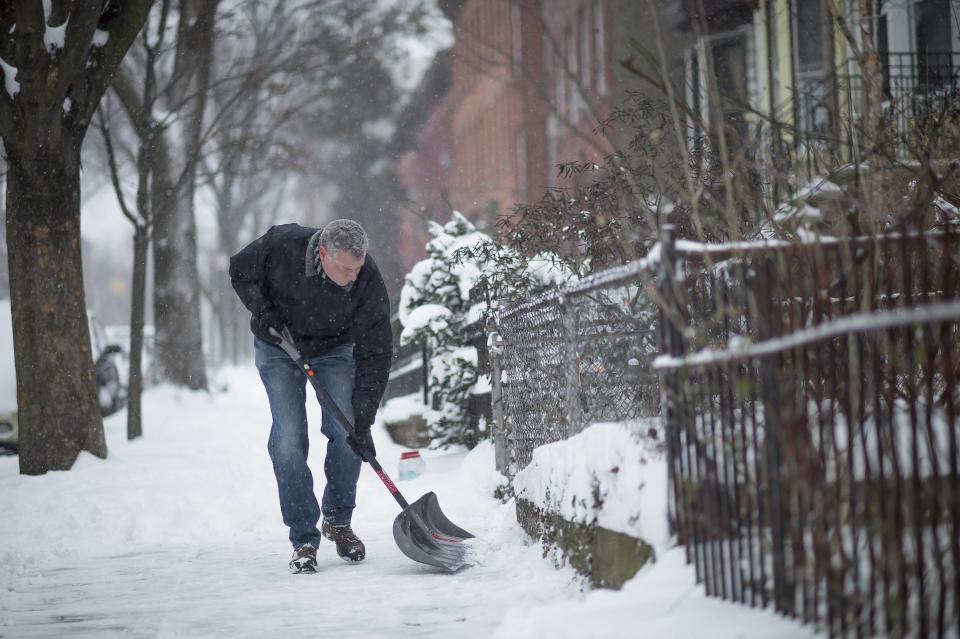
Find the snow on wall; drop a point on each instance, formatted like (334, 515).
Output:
(605, 475)
(402, 408)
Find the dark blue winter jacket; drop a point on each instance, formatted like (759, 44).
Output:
(277, 270)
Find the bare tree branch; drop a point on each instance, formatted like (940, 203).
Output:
(114, 172)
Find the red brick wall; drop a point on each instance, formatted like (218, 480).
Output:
(578, 37)
(498, 118)
(507, 120)
(425, 174)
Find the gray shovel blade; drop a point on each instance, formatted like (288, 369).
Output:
(425, 534)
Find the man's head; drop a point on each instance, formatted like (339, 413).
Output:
(343, 248)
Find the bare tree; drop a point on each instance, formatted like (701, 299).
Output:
(141, 217)
(55, 68)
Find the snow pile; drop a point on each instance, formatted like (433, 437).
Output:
(607, 476)
(201, 479)
(662, 600)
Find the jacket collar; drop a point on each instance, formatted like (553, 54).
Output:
(311, 263)
(309, 260)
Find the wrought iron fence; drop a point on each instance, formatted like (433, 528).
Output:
(574, 356)
(409, 371)
(810, 404)
(921, 98)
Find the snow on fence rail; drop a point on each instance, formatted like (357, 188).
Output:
(810, 404)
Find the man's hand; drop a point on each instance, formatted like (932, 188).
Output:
(362, 441)
(269, 317)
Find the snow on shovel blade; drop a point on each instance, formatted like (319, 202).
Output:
(425, 534)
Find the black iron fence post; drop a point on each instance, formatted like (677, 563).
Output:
(671, 343)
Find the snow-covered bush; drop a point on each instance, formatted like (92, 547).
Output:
(458, 285)
(434, 308)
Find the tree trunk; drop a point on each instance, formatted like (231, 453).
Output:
(176, 297)
(58, 412)
(138, 309)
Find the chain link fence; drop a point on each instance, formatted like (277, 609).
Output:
(571, 357)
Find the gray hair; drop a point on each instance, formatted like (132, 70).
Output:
(345, 235)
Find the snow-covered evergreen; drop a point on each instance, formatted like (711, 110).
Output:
(458, 284)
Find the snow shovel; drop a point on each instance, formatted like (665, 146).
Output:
(421, 530)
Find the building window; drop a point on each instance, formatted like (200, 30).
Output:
(730, 67)
(585, 49)
(573, 91)
(599, 43)
(521, 165)
(932, 22)
(556, 66)
(813, 112)
(809, 36)
(517, 32)
(728, 56)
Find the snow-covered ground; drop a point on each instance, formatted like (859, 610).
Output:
(179, 535)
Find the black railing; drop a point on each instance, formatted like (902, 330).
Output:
(809, 398)
(906, 74)
(813, 434)
(408, 374)
(920, 92)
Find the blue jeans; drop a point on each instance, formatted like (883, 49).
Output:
(288, 444)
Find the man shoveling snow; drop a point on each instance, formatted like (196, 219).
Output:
(323, 286)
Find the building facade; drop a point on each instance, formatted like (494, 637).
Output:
(498, 108)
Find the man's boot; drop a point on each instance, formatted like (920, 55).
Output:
(304, 560)
(349, 547)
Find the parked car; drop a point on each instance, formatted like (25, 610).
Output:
(108, 361)
(111, 392)
(119, 334)
(8, 381)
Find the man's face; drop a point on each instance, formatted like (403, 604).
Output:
(340, 266)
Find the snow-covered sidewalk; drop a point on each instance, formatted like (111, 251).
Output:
(179, 535)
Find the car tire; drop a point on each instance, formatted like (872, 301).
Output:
(109, 389)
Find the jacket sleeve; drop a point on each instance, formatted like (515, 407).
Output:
(248, 274)
(372, 352)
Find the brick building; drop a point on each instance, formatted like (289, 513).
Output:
(424, 141)
(498, 106)
(527, 82)
(585, 42)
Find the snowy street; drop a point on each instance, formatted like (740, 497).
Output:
(179, 535)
